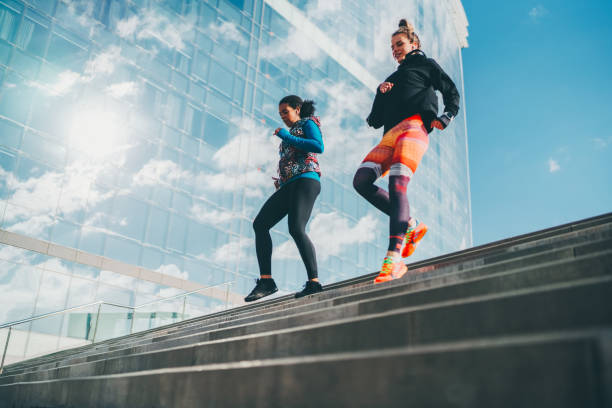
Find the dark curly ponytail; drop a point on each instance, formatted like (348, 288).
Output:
(306, 107)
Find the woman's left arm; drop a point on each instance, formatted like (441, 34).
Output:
(443, 83)
(311, 142)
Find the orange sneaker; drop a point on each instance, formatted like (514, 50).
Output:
(391, 270)
(412, 238)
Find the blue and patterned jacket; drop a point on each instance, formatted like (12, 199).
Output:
(298, 151)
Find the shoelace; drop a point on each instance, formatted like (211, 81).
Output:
(387, 266)
(410, 232)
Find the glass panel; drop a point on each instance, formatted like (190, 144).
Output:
(122, 250)
(8, 23)
(65, 53)
(221, 78)
(15, 98)
(157, 226)
(216, 131)
(113, 322)
(11, 134)
(26, 65)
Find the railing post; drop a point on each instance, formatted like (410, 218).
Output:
(93, 340)
(227, 294)
(184, 303)
(133, 318)
(8, 337)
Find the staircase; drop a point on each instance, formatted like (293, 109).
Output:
(523, 322)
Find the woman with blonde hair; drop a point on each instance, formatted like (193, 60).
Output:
(406, 105)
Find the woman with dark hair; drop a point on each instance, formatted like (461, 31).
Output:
(297, 187)
(406, 105)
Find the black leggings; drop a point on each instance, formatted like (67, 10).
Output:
(296, 199)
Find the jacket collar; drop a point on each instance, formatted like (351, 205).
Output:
(413, 55)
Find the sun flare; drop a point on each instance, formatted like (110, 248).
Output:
(96, 132)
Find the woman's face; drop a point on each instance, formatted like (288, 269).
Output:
(288, 114)
(401, 47)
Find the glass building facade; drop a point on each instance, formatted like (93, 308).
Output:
(141, 131)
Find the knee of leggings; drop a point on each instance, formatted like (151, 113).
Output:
(296, 231)
(362, 180)
(259, 226)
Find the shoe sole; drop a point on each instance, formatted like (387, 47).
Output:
(386, 278)
(261, 297)
(397, 275)
(308, 294)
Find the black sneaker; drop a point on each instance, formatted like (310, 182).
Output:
(263, 288)
(309, 288)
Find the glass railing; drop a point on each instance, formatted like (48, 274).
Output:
(86, 324)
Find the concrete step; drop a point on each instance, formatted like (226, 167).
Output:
(574, 305)
(513, 371)
(455, 286)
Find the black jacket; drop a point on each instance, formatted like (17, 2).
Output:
(414, 85)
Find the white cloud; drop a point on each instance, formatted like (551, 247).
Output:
(251, 144)
(103, 63)
(330, 233)
(65, 81)
(301, 45)
(234, 249)
(601, 143)
(173, 270)
(122, 89)
(538, 12)
(211, 216)
(16, 255)
(553, 166)
(326, 6)
(100, 66)
(127, 27)
(152, 25)
(346, 135)
(155, 171)
(38, 199)
(226, 31)
(83, 18)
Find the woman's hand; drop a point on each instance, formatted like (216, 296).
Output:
(276, 131)
(385, 87)
(437, 124)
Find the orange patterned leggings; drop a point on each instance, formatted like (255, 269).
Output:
(401, 149)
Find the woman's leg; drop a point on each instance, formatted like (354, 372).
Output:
(399, 214)
(273, 210)
(304, 194)
(363, 182)
(410, 146)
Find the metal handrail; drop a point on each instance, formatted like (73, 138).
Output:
(42, 316)
(29, 319)
(99, 304)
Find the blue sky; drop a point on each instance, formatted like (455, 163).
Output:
(538, 89)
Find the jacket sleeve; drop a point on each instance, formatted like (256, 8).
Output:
(375, 119)
(442, 82)
(311, 142)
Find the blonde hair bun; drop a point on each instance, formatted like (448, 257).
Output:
(404, 23)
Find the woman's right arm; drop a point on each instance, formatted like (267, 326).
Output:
(375, 118)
